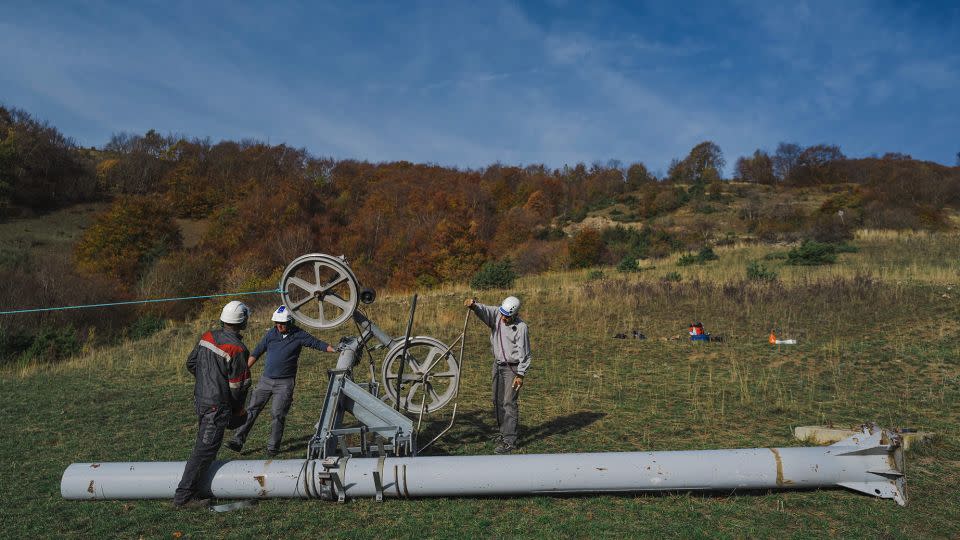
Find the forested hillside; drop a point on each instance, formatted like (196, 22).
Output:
(183, 216)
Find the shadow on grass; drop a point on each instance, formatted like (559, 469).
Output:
(478, 426)
(471, 427)
(560, 425)
(297, 443)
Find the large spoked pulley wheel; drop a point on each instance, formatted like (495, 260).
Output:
(319, 290)
(430, 375)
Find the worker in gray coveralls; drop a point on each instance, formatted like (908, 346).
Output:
(511, 359)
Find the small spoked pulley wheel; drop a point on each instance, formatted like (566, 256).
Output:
(430, 376)
(319, 290)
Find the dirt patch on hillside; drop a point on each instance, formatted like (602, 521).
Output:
(192, 230)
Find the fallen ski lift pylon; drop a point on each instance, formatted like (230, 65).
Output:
(322, 292)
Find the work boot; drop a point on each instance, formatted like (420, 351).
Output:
(235, 446)
(193, 504)
(504, 448)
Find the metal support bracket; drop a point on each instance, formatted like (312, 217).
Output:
(334, 467)
(378, 478)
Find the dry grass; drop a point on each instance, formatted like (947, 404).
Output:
(878, 340)
(56, 231)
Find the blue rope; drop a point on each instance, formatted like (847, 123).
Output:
(63, 308)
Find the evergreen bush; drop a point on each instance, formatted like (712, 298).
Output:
(494, 275)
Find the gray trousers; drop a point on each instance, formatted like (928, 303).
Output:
(211, 424)
(281, 390)
(505, 403)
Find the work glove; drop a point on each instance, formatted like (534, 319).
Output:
(517, 382)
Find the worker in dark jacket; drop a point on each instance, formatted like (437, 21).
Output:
(283, 344)
(219, 365)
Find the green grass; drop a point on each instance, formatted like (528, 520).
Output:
(882, 349)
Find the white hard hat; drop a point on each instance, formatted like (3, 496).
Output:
(510, 306)
(281, 315)
(234, 312)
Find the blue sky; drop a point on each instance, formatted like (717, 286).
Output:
(472, 83)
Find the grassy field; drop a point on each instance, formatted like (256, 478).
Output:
(878, 341)
(55, 232)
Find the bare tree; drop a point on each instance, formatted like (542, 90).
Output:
(785, 159)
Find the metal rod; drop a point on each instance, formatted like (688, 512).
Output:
(456, 392)
(406, 344)
(869, 462)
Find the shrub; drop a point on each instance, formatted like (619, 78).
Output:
(703, 208)
(14, 258)
(49, 345)
(180, 274)
(830, 228)
(595, 275)
(578, 215)
(628, 264)
(626, 242)
(13, 344)
(426, 281)
(687, 259)
(672, 276)
(145, 327)
(728, 239)
(549, 233)
(586, 248)
(537, 256)
(494, 275)
(706, 254)
(757, 271)
(812, 253)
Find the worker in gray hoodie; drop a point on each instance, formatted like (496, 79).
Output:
(510, 342)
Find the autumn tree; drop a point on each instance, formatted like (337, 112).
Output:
(140, 161)
(602, 182)
(586, 248)
(757, 169)
(818, 164)
(457, 251)
(40, 168)
(123, 241)
(539, 204)
(638, 175)
(704, 164)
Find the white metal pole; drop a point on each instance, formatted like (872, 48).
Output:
(870, 462)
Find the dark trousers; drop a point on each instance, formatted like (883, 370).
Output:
(281, 390)
(506, 403)
(212, 422)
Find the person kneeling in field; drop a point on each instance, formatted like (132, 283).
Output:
(282, 344)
